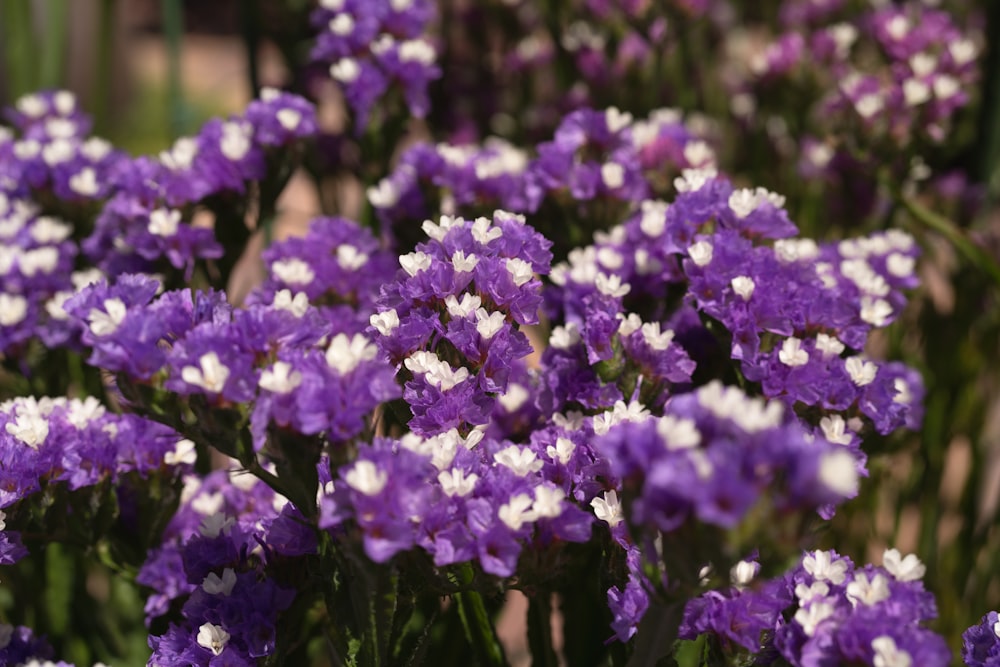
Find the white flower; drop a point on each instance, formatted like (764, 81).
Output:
(562, 451)
(617, 120)
(296, 305)
(415, 262)
(915, 92)
(289, 119)
(40, 260)
(103, 323)
(678, 432)
(213, 584)
(839, 473)
(350, 258)
(345, 354)
(29, 427)
(899, 265)
(365, 477)
(611, 285)
(903, 569)
(488, 324)
(792, 354)
(184, 452)
(163, 222)
(341, 25)
(49, 230)
(868, 591)
(654, 218)
(385, 323)
(862, 372)
(822, 566)
(520, 271)
(13, 309)
(875, 311)
(743, 286)
(608, 508)
(692, 180)
(456, 483)
(215, 525)
(743, 573)
(548, 502)
(469, 304)
(515, 396)
(84, 182)
(835, 430)
(612, 175)
(484, 232)
(629, 325)
(520, 460)
(213, 637)
(293, 271)
(656, 339)
(464, 263)
(211, 376)
(280, 378)
(418, 51)
(887, 654)
(517, 512)
(345, 70)
(235, 141)
(700, 253)
(829, 346)
(810, 617)
(181, 156)
(565, 337)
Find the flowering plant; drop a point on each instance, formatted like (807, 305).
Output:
(589, 361)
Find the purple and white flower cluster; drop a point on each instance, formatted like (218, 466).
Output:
(826, 611)
(373, 47)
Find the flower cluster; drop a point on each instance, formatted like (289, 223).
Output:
(370, 47)
(981, 642)
(826, 611)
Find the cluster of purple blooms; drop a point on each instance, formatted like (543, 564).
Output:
(373, 47)
(825, 611)
(595, 156)
(225, 553)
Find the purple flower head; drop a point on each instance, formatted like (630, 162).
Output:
(981, 642)
(280, 119)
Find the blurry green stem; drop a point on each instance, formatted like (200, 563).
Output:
(172, 27)
(250, 24)
(975, 254)
(476, 621)
(54, 49)
(105, 59)
(16, 32)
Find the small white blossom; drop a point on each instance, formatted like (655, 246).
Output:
(488, 324)
(345, 70)
(612, 175)
(548, 502)
(903, 569)
(13, 309)
(611, 285)
(415, 262)
(297, 305)
(520, 271)
(792, 354)
(828, 346)
(899, 265)
(629, 325)
(211, 375)
(181, 155)
(862, 372)
(700, 253)
(289, 119)
(469, 304)
(39, 260)
(235, 142)
(515, 397)
(365, 477)
(213, 584)
(350, 258)
(341, 25)
(280, 378)
(608, 508)
(214, 525)
(293, 271)
(562, 451)
(867, 591)
(839, 473)
(887, 654)
(814, 591)
(104, 323)
(656, 339)
(29, 427)
(565, 337)
(822, 566)
(183, 453)
(692, 180)
(616, 119)
(517, 512)
(520, 460)
(741, 574)
(678, 432)
(46, 229)
(456, 483)
(484, 232)
(810, 617)
(417, 51)
(213, 637)
(743, 286)
(385, 323)
(835, 430)
(345, 354)
(164, 222)
(84, 182)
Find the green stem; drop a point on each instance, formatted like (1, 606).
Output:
(476, 620)
(955, 236)
(172, 28)
(250, 24)
(543, 654)
(105, 63)
(54, 46)
(18, 35)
